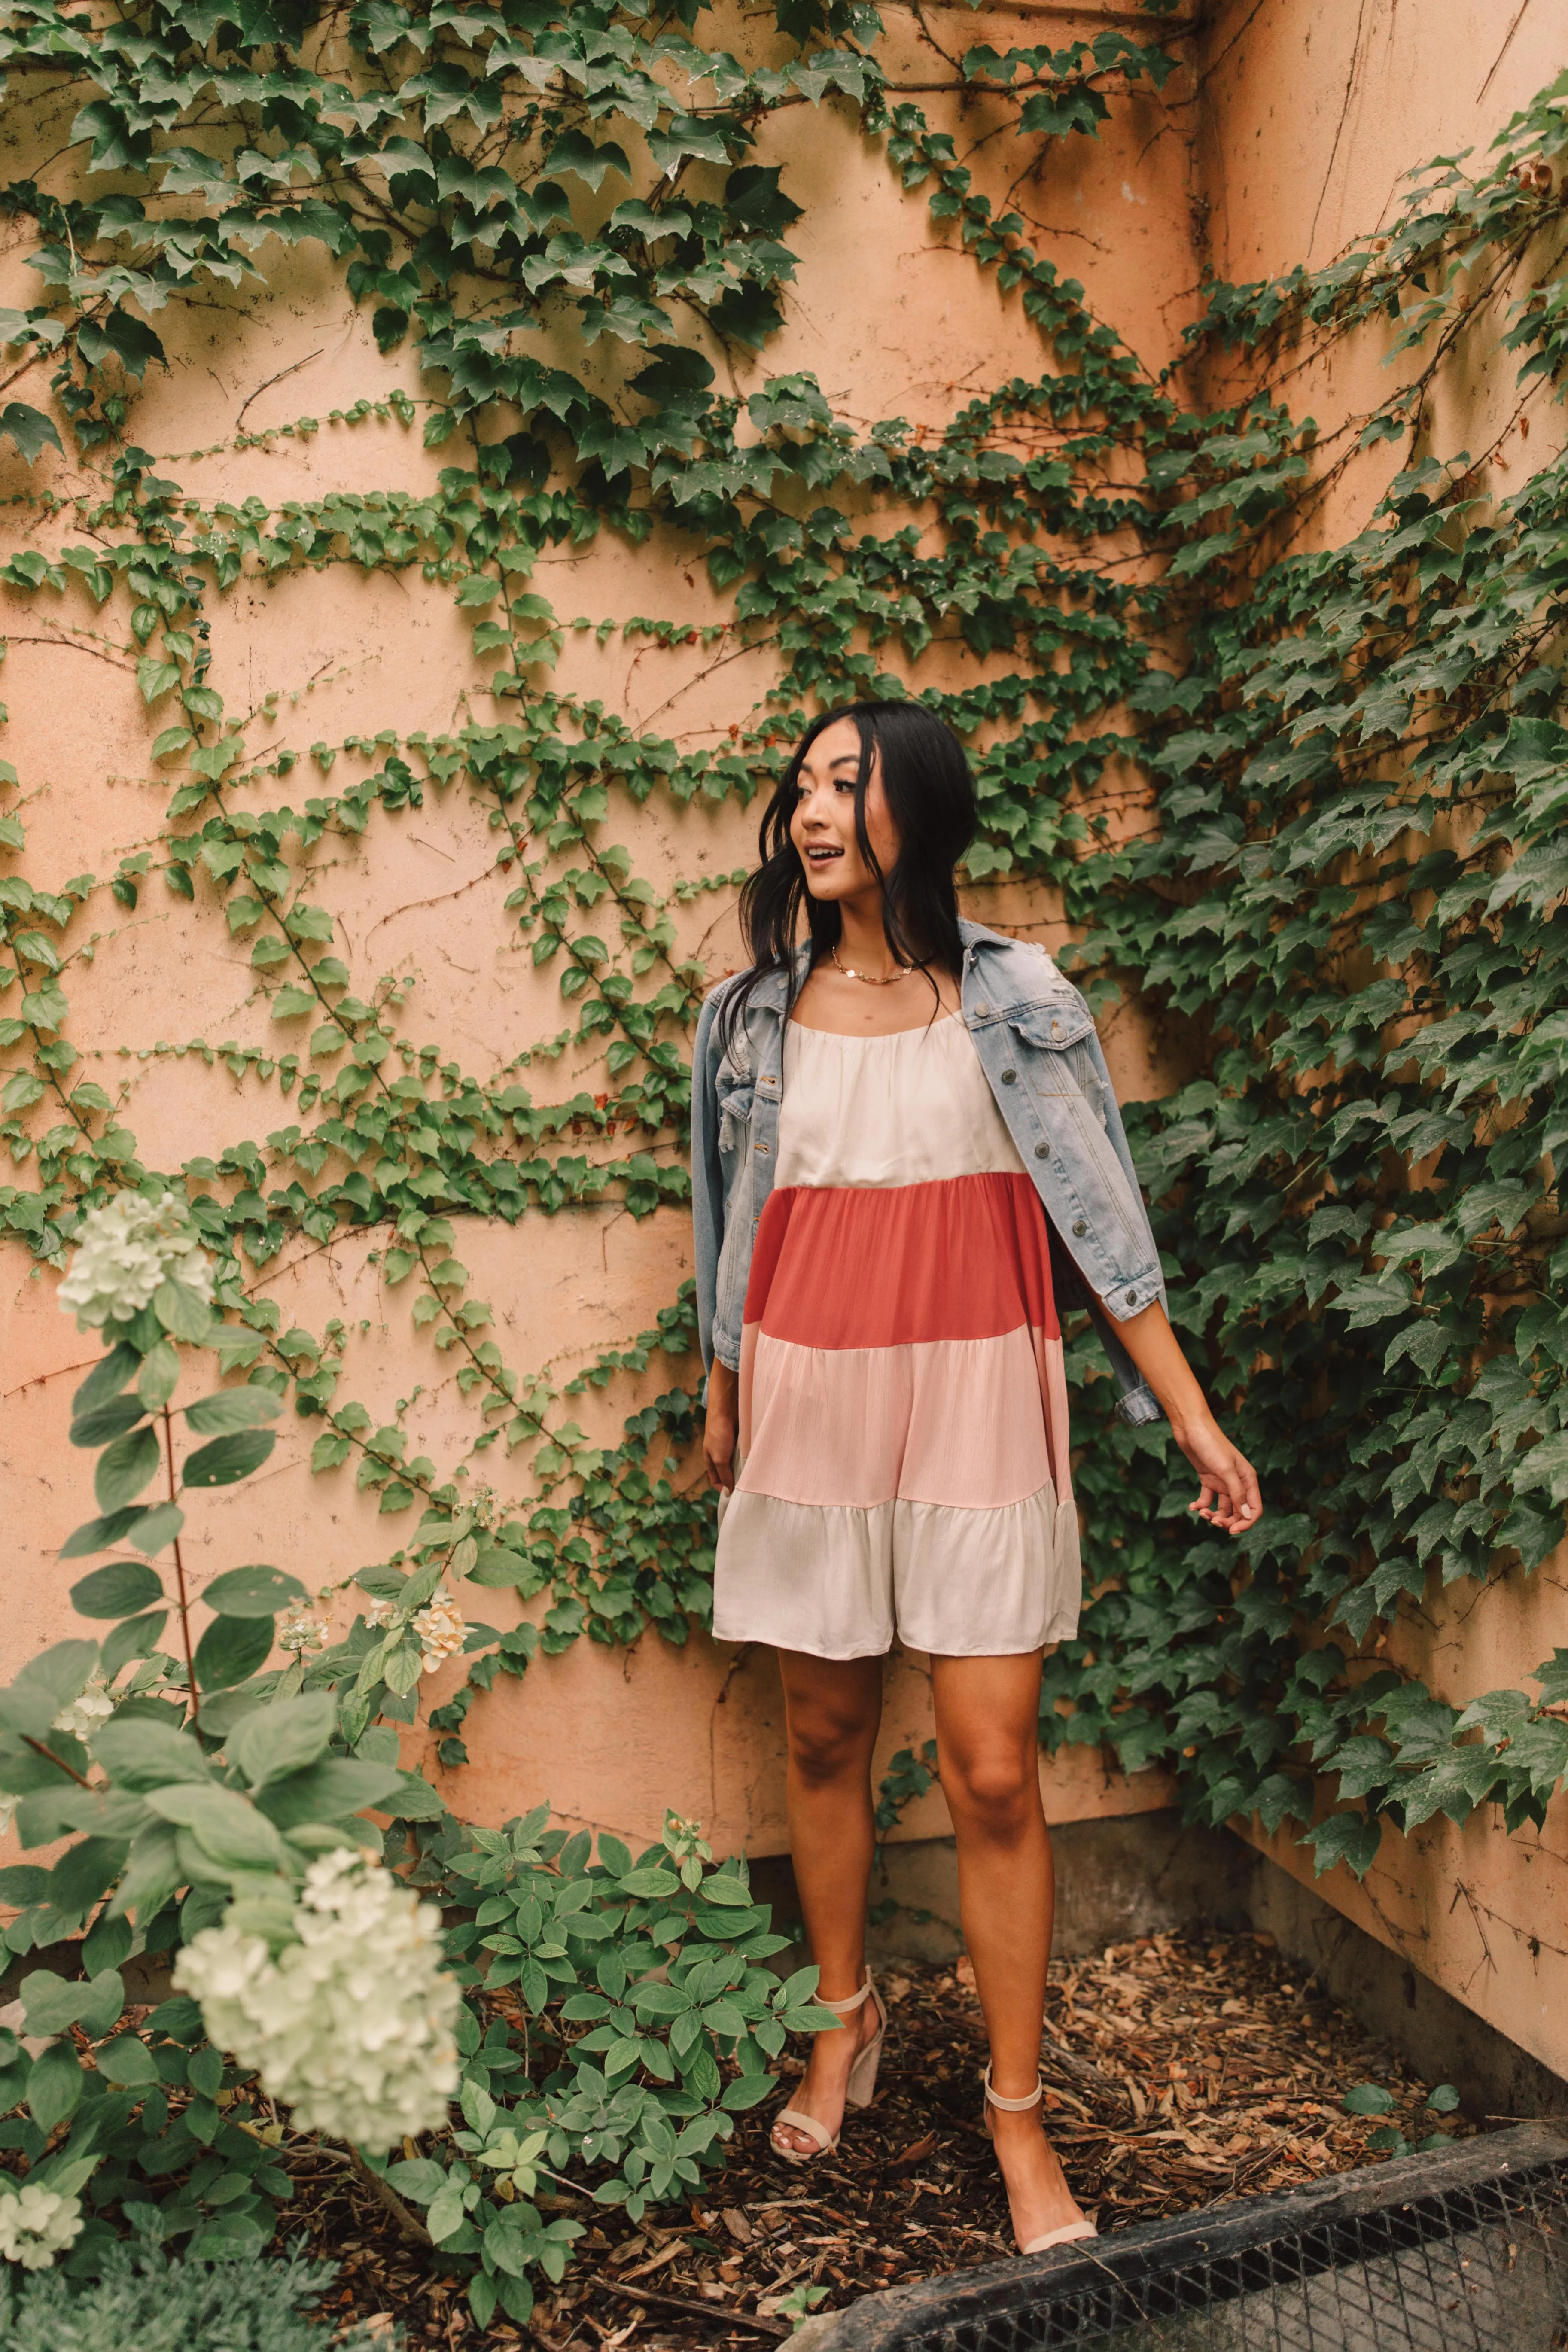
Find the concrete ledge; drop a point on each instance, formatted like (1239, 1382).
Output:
(1391, 1998)
(1133, 1875)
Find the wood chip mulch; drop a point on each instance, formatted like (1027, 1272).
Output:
(1178, 2074)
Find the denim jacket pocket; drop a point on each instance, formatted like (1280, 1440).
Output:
(1051, 1026)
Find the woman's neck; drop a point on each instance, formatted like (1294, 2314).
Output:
(863, 940)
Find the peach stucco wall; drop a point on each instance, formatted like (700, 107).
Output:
(1288, 134)
(609, 1737)
(1307, 119)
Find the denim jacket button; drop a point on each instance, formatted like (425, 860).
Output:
(1079, 1225)
(1009, 1077)
(1043, 1151)
(983, 1008)
(1133, 1298)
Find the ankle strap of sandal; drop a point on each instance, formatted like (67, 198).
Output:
(856, 2000)
(1013, 2106)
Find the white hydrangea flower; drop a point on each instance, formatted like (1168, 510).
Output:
(91, 1707)
(37, 2224)
(380, 1615)
(8, 1805)
(441, 1629)
(300, 1631)
(352, 2026)
(125, 1250)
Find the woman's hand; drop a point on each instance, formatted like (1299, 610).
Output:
(719, 1429)
(1227, 1483)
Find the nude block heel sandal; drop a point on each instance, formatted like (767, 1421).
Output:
(1069, 2230)
(862, 2084)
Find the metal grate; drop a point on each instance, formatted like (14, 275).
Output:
(1465, 2250)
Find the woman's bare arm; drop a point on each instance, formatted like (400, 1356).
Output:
(1227, 1483)
(719, 1429)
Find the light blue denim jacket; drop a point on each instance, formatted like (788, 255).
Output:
(1036, 1039)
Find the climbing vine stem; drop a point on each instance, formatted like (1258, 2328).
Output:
(1306, 801)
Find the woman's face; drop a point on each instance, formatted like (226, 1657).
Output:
(822, 824)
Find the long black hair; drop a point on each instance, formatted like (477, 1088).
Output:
(930, 798)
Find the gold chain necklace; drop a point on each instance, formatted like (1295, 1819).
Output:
(872, 978)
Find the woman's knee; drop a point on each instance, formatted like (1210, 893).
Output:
(995, 1790)
(825, 1746)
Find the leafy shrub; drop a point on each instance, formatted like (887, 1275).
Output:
(637, 1977)
(218, 1805)
(141, 2303)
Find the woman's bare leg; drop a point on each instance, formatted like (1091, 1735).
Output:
(832, 1710)
(987, 1741)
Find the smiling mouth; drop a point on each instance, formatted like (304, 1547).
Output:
(822, 856)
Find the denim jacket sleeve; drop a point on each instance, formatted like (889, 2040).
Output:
(707, 1177)
(1047, 1071)
(1138, 1402)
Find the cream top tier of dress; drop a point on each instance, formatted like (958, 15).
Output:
(903, 1404)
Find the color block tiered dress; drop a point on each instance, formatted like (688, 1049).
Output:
(903, 1426)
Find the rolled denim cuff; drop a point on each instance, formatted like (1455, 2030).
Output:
(1140, 1404)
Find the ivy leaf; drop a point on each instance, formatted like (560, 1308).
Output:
(573, 152)
(121, 337)
(29, 429)
(1350, 1838)
(155, 677)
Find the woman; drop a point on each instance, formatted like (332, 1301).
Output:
(906, 1154)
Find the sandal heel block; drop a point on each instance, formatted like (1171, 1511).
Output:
(860, 2090)
(862, 2084)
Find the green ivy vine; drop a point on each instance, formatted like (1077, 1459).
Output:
(1349, 888)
